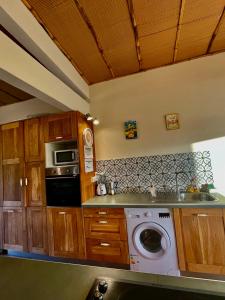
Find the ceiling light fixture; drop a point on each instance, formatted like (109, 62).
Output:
(89, 117)
(96, 121)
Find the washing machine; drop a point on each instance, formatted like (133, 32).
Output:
(151, 239)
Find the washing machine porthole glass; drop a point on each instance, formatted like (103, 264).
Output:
(151, 240)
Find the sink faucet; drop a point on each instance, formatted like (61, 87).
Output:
(179, 189)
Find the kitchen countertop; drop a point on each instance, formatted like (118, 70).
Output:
(23, 279)
(144, 200)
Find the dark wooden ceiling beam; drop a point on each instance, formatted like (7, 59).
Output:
(134, 26)
(215, 31)
(178, 28)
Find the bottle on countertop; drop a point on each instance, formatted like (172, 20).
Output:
(152, 190)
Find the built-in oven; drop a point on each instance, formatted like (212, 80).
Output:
(63, 186)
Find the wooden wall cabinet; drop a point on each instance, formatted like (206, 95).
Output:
(60, 127)
(106, 236)
(14, 232)
(37, 230)
(65, 232)
(34, 140)
(200, 235)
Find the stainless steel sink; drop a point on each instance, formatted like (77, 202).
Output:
(195, 197)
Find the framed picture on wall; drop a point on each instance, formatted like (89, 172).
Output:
(172, 121)
(130, 129)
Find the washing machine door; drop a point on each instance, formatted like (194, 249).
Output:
(151, 240)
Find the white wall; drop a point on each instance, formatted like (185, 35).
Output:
(25, 109)
(194, 89)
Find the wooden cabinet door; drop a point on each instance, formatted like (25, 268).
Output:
(60, 127)
(12, 161)
(1, 228)
(12, 142)
(13, 183)
(37, 230)
(65, 232)
(35, 184)
(202, 234)
(33, 140)
(14, 232)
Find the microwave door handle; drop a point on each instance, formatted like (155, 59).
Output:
(65, 177)
(73, 156)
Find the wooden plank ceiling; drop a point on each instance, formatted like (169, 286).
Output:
(105, 39)
(10, 94)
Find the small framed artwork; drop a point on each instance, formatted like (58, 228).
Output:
(130, 128)
(172, 121)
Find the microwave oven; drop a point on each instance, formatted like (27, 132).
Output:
(66, 157)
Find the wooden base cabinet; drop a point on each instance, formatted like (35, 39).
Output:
(106, 235)
(37, 230)
(14, 229)
(200, 234)
(65, 232)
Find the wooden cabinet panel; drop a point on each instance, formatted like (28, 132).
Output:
(107, 250)
(1, 178)
(65, 232)
(14, 232)
(102, 228)
(1, 228)
(202, 239)
(104, 212)
(60, 127)
(35, 184)
(13, 191)
(12, 142)
(87, 186)
(33, 140)
(37, 230)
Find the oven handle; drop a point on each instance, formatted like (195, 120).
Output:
(58, 177)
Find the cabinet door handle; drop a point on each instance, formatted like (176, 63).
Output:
(26, 181)
(200, 215)
(104, 244)
(61, 212)
(102, 222)
(58, 137)
(102, 212)
(10, 211)
(21, 182)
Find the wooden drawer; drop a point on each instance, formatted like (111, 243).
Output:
(107, 250)
(104, 212)
(102, 228)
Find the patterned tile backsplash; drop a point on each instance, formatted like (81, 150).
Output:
(138, 173)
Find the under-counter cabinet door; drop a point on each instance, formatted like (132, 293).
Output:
(201, 239)
(33, 140)
(65, 232)
(60, 127)
(37, 230)
(1, 228)
(35, 184)
(14, 229)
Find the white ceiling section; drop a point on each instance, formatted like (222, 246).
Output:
(19, 22)
(21, 70)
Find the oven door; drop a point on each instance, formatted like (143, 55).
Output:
(63, 191)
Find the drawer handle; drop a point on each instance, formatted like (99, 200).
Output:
(62, 213)
(102, 222)
(104, 244)
(200, 215)
(21, 182)
(58, 137)
(10, 211)
(102, 212)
